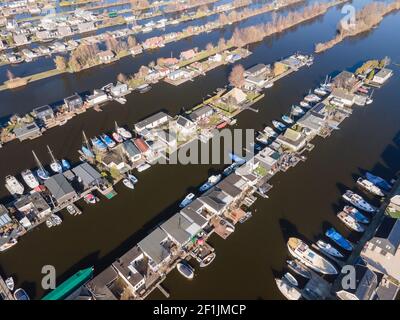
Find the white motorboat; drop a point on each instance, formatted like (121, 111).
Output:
(270, 132)
(305, 104)
(123, 132)
(10, 283)
(207, 260)
(292, 280)
(370, 187)
(300, 250)
(128, 183)
(327, 248)
(320, 91)
(143, 167)
(8, 245)
(357, 201)
(30, 179)
(289, 291)
(312, 98)
(350, 221)
(185, 269)
(14, 186)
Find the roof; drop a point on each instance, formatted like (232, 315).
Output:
(99, 285)
(74, 99)
(215, 200)
(4, 216)
(342, 94)
(383, 73)
(43, 109)
(387, 290)
(25, 129)
(390, 231)
(35, 200)
(200, 112)
(180, 228)
(151, 245)
(70, 285)
(256, 69)
(141, 144)
(155, 117)
(366, 283)
(182, 121)
(229, 188)
(311, 121)
(59, 187)
(126, 266)
(131, 149)
(191, 214)
(87, 173)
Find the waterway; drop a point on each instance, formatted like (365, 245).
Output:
(302, 203)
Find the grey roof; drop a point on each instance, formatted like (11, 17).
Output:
(125, 263)
(177, 227)
(191, 214)
(387, 237)
(229, 188)
(74, 100)
(26, 129)
(200, 112)
(36, 199)
(43, 111)
(256, 69)
(383, 73)
(311, 121)
(151, 246)
(99, 286)
(131, 149)
(155, 117)
(60, 188)
(387, 290)
(214, 199)
(87, 173)
(4, 216)
(182, 121)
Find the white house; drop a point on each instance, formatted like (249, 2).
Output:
(382, 76)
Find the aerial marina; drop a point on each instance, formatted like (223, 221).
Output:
(98, 177)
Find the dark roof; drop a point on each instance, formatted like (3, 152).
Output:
(229, 188)
(255, 69)
(387, 237)
(59, 187)
(200, 112)
(99, 286)
(126, 266)
(182, 121)
(131, 149)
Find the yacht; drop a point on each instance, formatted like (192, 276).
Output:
(356, 214)
(185, 269)
(7, 245)
(369, 186)
(108, 141)
(117, 137)
(341, 241)
(297, 110)
(327, 248)
(10, 283)
(287, 119)
(207, 260)
(188, 199)
(320, 91)
(278, 125)
(350, 221)
(299, 268)
(270, 132)
(212, 181)
(357, 201)
(123, 132)
(128, 183)
(14, 186)
(305, 104)
(98, 144)
(312, 98)
(291, 279)
(289, 291)
(300, 250)
(30, 179)
(378, 181)
(143, 167)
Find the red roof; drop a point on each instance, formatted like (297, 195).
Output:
(141, 144)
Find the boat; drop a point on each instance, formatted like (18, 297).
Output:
(53, 220)
(10, 283)
(227, 171)
(362, 90)
(49, 223)
(108, 141)
(329, 249)
(41, 172)
(268, 85)
(123, 132)
(312, 98)
(297, 110)
(143, 167)
(378, 181)
(246, 217)
(117, 137)
(132, 178)
(356, 214)
(236, 158)
(20, 294)
(212, 180)
(90, 199)
(350, 221)
(65, 164)
(278, 125)
(188, 199)
(207, 260)
(7, 245)
(289, 291)
(291, 279)
(357, 201)
(98, 144)
(222, 125)
(128, 183)
(14, 186)
(300, 250)
(87, 152)
(287, 119)
(270, 132)
(29, 179)
(336, 237)
(305, 104)
(144, 88)
(71, 210)
(55, 165)
(320, 91)
(299, 268)
(370, 187)
(185, 269)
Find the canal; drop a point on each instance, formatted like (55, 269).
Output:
(302, 203)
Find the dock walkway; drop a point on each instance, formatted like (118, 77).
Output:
(5, 293)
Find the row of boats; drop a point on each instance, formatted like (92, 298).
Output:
(33, 179)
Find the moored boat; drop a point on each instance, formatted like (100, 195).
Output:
(65, 164)
(291, 279)
(312, 98)
(270, 132)
(117, 137)
(185, 269)
(108, 141)
(20, 294)
(98, 144)
(143, 167)
(357, 201)
(287, 119)
(29, 179)
(341, 241)
(55, 165)
(212, 180)
(356, 214)
(304, 104)
(10, 283)
(227, 171)
(128, 183)
(370, 187)
(7, 245)
(297, 267)
(132, 178)
(320, 91)
(350, 221)
(329, 249)
(207, 260)
(123, 132)
(289, 291)
(378, 181)
(14, 186)
(278, 125)
(90, 199)
(300, 250)
(297, 110)
(188, 199)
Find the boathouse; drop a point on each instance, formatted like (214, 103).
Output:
(151, 122)
(88, 176)
(60, 189)
(201, 113)
(131, 151)
(73, 102)
(44, 113)
(382, 76)
(27, 131)
(292, 139)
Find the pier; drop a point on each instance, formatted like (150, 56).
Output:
(5, 293)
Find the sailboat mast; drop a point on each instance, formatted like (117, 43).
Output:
(39, 164)
(51, 154)
(85, 140)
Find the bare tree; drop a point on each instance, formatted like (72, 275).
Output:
(61, 63)
(236, 78)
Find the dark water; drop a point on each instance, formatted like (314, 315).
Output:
(303, 201)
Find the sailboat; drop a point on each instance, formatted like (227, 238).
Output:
(55, 165)
(41, 171)
(87, 151)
